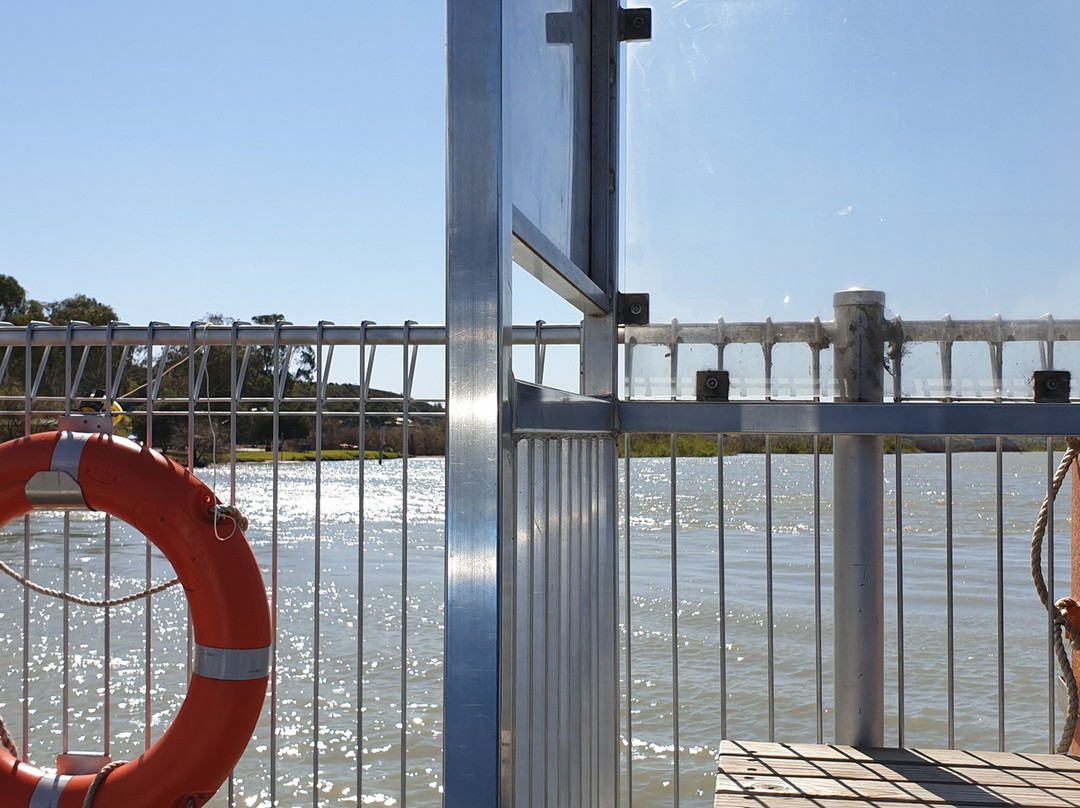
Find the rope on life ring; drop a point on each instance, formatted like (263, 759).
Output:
(230, 616)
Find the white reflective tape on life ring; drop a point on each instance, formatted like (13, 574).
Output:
(68, 452)
(231, 664)
(48, 791)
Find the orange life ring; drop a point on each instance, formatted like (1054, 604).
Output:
(227, 598)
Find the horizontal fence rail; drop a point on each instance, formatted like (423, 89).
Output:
(725, 554)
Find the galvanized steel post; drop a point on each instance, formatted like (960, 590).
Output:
(479, 479)
(858, 543)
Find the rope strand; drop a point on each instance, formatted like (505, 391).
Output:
(70, 598)
(98, 780)
(1059, 620)
(5, 740)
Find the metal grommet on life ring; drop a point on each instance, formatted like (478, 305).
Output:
(229, 613)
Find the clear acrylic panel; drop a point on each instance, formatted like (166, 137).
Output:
(542, 46)
(778, 151)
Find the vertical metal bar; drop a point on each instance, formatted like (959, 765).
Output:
(235, 386)
(603, 657)
(553, 510)
(479, 451)
(819, 667)
(997, 365)
(26, 632)
(66, 642)
(1051, 629)
(950, 642)
(628, 673)
(106, 672)
(599, 356)
(66, 606)
(767, 351)
(535, 528)
(899, 498)
(770, 609)
(147, 606)
(673, 382)
(316, 662)
(945, 348)
(107, 649)
(566, 618)
(193, 399)
(673, 516)
(572, 542)
(281, 369)
(521, 567)
(721, 581)
(539, 353)
(593, 502)
(365, 380)
(406, 384)
(27, 424)
(896, 357)
(236, 381)
(999, 521)
(858, 547)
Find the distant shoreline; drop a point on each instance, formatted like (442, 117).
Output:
(659, 445)
(263, 456)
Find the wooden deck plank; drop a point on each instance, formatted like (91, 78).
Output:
(772, 775)
(745, 801)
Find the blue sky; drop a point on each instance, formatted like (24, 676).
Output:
(780, 151)
(178, 159)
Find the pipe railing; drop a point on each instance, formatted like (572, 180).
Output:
(23, 398)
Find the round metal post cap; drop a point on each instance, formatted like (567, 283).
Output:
(858, 296)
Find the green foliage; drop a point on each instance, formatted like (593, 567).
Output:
(79, 309)
(14, 306)
(659, 445)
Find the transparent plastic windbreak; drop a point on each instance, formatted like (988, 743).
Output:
(544, 40)
(778, 151)
(724, 555)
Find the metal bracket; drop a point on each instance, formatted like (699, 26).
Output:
(559, 27)
(633, 308)
(713, 385)
(58, 488)
(75, 763)
(635, 24)
(90, 422)
(54, 490)
(1052, 386)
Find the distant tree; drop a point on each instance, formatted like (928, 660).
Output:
(14, 305)
(79, 308)
(12, 298)
(48, 368)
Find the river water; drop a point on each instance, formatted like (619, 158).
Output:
(317, 627)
